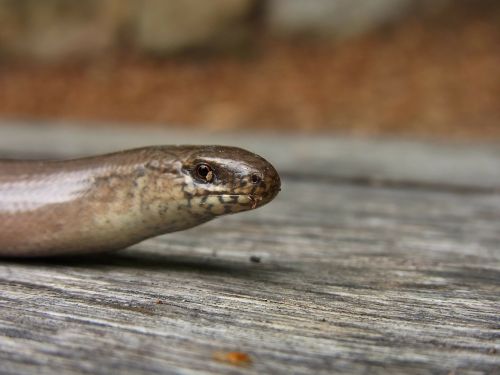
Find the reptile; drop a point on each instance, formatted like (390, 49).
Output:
(112, 201)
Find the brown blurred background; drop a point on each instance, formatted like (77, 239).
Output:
(416, 68)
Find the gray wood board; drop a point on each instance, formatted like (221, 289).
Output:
(378, 256)
(344, 159)
(351, 279)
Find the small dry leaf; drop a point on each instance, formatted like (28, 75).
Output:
(233, 358)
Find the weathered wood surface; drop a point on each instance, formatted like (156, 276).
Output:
(402, 276)
(345, 159)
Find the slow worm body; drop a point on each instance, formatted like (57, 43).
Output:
(112, 201)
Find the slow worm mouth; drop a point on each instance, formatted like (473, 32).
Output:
(255, 200)
(251, 200)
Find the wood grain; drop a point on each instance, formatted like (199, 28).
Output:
(352, 279)
(342, 158)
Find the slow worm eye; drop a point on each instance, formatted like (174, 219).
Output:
(255, 178)
(204, 172)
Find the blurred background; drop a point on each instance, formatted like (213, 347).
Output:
(411, 68)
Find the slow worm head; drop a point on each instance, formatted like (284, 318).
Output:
(112, 201)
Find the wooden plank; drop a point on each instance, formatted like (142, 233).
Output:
(400, 275)
(352, 279)
(366, 161)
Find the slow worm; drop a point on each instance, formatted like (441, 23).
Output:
(109, 202)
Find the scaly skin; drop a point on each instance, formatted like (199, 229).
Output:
(109, 202)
